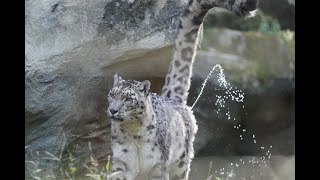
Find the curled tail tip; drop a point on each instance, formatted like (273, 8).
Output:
(247, 8)
(252, 13)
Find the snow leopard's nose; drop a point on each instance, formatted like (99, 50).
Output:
(112, 111)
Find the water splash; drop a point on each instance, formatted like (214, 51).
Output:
(205, 82)
(236, 95)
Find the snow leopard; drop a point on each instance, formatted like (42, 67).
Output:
(152, 135)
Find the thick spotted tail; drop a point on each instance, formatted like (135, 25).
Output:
(178, 79)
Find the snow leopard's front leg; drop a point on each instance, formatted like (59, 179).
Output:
(159, 172)
(121, 167)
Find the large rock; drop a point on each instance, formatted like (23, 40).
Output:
(251, 59)
(73, 48)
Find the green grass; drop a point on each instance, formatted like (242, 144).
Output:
(69, 170)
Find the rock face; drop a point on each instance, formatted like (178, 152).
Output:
(73, 48)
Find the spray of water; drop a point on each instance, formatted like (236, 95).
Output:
(238, 96)
(204, 84)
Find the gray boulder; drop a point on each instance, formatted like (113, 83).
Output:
(72, 50)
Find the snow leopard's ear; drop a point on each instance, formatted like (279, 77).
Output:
(116, 79)
(144, 86)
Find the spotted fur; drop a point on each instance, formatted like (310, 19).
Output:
(152, 136)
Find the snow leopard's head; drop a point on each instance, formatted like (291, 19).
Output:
(127, 99)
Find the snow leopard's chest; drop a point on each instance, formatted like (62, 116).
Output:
(140, 155)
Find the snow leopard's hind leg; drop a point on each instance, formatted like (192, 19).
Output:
(121, 167)
(180, 170)
(159, 172)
